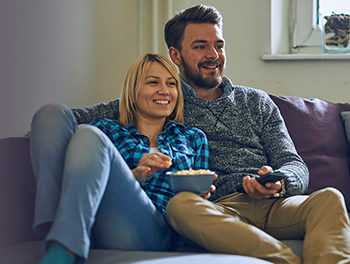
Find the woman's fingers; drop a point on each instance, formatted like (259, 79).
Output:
(156, 160)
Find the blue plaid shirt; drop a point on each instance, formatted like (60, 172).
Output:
(188, 148)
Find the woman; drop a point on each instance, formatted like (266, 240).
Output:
(112, 176)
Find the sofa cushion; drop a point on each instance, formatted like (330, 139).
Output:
(318, 133)
(31, 252)
(17, 191)
(346, 118)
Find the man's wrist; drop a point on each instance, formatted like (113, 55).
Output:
(282, 192)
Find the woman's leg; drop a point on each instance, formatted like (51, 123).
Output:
(52, 130)
(96, 180)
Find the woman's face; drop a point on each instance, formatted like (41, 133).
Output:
(158, 94)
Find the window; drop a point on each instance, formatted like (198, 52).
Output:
(326, 7)
(306, 23)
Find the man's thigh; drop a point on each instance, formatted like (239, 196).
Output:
(250, 210)
(286, 220)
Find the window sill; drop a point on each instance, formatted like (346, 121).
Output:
(293, 57)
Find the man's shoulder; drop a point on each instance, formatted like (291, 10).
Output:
(231, 89)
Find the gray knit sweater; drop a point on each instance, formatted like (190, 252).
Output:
(245, 131)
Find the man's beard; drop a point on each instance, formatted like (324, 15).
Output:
(197, 79)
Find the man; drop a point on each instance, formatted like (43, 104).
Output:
(247, 137)
(245, 133)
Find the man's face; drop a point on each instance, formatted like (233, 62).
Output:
(202, 55)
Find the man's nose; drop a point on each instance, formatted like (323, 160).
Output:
(212, 53)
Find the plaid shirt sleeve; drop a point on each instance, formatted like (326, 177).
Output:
(200, 145)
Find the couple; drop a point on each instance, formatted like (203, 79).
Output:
(246, 135)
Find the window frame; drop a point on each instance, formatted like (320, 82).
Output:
(306, 34)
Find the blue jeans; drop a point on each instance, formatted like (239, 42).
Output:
(83, 183)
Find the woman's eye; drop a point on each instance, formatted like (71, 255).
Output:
(152, 82)
(172, 83)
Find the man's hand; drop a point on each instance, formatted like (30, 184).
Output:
(211, 189)
(149, 164)
(254, 189)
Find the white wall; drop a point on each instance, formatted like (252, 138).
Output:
(77, 52)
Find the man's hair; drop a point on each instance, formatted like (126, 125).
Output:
(199, 14)
(134, 82)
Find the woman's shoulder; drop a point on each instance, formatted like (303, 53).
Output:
(107, 124)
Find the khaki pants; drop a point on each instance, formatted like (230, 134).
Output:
(239, 224)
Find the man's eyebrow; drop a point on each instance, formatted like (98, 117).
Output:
(198, 41)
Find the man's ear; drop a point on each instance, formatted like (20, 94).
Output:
(175, 55)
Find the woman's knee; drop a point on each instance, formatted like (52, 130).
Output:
(89, 137)
(53, 117)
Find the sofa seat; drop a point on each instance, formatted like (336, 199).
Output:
(31, 251)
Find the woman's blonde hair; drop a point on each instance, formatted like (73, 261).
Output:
(134, 81)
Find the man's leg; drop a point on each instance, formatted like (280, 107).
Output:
(321, 217)
(97, 180)
(52, 129)
(219, 228)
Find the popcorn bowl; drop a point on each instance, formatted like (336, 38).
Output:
(196, 181)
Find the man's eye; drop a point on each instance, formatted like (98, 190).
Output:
(199, 47)
(219, 46)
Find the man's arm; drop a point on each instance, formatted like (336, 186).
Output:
(281, 152)
(86, 114)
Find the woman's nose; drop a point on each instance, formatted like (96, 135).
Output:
(163, 89)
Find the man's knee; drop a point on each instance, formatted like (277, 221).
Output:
(330, 197)
(181, 202)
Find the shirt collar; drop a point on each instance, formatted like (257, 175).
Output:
(226, 86)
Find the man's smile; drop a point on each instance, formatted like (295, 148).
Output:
(210, 65)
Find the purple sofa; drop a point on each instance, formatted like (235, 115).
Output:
(319, 130)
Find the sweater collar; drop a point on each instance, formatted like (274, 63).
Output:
(226, 87)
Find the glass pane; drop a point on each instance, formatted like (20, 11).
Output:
(326, 7)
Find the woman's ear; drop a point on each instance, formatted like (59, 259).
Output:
(175, 56)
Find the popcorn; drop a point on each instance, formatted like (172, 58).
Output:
(193, 172)
(168, 163)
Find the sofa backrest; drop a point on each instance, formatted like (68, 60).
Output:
(17, 192)
(318, 132)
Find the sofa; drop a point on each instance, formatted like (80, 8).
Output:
(319, 129)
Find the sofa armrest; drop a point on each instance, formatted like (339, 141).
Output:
(17, 192)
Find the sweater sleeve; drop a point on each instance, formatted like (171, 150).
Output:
(86, 114)
(281, 151)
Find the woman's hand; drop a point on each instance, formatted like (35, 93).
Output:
(211, 189)
(258, 191)
(149, 164)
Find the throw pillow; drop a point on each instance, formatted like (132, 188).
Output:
(318, 133)
(346, 118)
